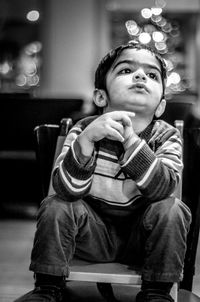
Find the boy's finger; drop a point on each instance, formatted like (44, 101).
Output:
(124, 116)
(118, 114)
(130, 114)
(117, 125)
(115, 135)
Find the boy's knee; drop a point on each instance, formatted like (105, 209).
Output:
(168, 211)
(53, 207)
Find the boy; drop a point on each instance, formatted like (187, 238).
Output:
(114, 184)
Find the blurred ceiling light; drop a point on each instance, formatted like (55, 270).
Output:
(33, 81)
(130, 23)
(144, 38)
(21, 80)
(167, 27)
(170, 65)
(33, 15)
(161, 46)
(158, 36)
(5, 68)
(27, 65)
(174, 78)
(146, 13)
(132, 27)
(160, 3)
(156, 19)
(33, 48)
(156, 11)
(162, 22)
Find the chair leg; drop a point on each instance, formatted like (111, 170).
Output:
(106, 291)
(174, 292)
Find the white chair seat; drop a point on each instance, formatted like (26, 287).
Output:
(109, 273)
(103, 272)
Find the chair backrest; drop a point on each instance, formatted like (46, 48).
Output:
(179, 124)
(191, 196)
(49, 141)
(65, 126)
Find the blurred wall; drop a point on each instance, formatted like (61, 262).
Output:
(75, 36)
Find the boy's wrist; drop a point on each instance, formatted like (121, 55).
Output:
(129, 142)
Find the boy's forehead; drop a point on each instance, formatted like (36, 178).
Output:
(140, 56)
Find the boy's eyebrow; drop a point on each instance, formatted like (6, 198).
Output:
(149, 65)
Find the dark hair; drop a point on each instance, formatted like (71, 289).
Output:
(107, 61)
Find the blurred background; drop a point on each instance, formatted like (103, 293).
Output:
(49, 50)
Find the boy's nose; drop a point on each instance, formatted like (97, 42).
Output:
(139, 75)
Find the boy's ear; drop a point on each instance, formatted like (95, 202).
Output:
(161, 108)
(100, 98)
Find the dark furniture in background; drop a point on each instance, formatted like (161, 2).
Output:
(19, 115)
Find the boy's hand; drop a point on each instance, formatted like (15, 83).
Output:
(114, 125)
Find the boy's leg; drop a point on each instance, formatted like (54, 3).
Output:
(68, 228)
(165, 227)
(62, 229)
(166, 224)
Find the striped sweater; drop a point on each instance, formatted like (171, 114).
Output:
(150, 168)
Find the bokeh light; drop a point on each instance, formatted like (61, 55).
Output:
(33, 15)
(146, 13)
(158, 36)
(132, 27)
(144, 38)
(156, 11)
(173, 79)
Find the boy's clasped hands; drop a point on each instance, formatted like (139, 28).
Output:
(115, 125)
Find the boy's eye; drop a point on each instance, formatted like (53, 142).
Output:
(125, 71)
(153, 75)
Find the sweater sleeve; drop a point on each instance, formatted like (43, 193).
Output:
(157, 172)
(73, 172)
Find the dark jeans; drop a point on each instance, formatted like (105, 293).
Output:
(154, 237)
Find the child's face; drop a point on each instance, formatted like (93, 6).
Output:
(134, 83)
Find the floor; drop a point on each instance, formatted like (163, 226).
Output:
(16, 237)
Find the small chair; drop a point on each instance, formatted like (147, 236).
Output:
(50, 139)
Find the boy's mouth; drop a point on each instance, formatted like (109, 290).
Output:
(139, 86)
